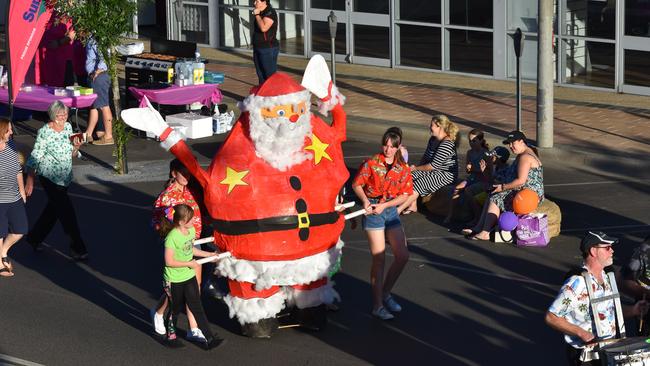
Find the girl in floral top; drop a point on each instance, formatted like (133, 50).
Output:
(51, 160)
(177, 192)
(383, 183)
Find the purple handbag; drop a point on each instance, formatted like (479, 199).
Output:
(532, 231)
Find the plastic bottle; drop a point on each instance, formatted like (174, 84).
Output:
(198, 72)
(215, 120)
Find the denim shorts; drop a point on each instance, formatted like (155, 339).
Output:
(387, 219)
(13, 218)
(101, 86)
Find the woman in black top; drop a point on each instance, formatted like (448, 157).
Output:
(265, 45)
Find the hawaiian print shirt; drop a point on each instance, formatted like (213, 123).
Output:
(572, 304)
(52, 155)
(379, 183)
(170, 197)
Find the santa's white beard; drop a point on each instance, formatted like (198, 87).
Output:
(279, 141)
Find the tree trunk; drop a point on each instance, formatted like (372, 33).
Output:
(120, 133)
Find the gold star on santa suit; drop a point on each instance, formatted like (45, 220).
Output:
(318, 147)
(234, 178)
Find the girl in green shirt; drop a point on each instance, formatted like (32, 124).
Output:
(181, 286)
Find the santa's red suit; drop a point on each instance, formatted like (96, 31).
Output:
(278, 222)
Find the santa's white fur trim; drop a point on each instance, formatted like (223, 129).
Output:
(335, 98)
(255, 309)
(309, 298)
(280, 142)
(253, 103)
(265, 274)
(171, 140)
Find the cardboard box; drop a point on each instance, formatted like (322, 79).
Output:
(197, 126)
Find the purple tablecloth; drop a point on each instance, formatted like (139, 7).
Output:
(40, 98)
(205, 94)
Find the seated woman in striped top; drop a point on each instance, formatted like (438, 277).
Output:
(439, 165)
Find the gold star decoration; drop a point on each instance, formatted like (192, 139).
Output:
(234, 178)
(318, 147)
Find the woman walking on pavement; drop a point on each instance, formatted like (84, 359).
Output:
(51, 160)
(383, 183)
(13, 218)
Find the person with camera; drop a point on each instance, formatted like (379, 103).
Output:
(527, 172)
(265, 44)
(478, 166)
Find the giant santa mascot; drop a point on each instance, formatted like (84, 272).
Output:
(271, 192)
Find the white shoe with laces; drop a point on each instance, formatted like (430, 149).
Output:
(392, 305)
(158, 322)
(382, 314)
(195, 335)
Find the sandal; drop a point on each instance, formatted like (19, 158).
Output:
(103, 141)
(467, 232)
(7, 270)
(475, 237)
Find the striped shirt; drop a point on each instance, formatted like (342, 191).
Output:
(441, 156)
(9, 169)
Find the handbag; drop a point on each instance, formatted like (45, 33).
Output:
(532, 230)
(502, 236)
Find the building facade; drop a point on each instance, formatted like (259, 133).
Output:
(600, 44)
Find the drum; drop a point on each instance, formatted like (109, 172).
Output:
(633, 351)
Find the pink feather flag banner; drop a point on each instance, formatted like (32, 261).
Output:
(26, 21)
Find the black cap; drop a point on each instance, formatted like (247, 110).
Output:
(501, 152)
(593, 238)
(514, 136)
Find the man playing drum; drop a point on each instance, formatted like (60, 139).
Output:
(591, 292)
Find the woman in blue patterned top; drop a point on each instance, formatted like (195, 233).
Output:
(51, 160)
(13, 219)
(439, 164)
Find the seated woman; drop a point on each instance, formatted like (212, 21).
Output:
(528, 173)
(439, 165)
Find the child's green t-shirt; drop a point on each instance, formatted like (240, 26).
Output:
(182, 246)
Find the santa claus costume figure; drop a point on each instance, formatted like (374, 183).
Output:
(271, 192)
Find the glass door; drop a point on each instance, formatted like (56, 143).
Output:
(369, 30)
(635, 46)
(363, 32)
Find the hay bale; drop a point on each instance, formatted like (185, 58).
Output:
(552, 211)
(438, 203)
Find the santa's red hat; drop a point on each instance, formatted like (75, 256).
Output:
(278, 89)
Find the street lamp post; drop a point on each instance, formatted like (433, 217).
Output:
(178, 9)
(331, 20)
(518, 38)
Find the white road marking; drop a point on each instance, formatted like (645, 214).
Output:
(523, 279)
(642, 181)
(8, 360)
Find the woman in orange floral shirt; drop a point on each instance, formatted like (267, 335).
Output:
(383, 183)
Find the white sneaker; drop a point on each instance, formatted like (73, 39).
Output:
(158, 322)
(195, 335)
(382, 314)
(392, 305)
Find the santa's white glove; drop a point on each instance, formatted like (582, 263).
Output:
(145, 119)
(317, 79)
(149, 120)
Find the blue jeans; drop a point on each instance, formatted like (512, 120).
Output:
(387, 219)
(266, 62)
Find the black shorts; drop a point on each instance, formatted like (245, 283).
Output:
(13, 218)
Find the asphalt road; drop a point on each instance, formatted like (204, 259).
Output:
(465, 302)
